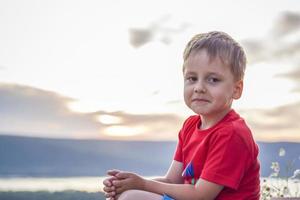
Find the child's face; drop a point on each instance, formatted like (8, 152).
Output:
(209, 85)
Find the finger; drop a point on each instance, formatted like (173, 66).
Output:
(110, 194)
(113, 172)
(123, 175)
(112, 178)
(107, 182)
(106, 189)
(109, 189)
(119, 190)
(119, 183)
(107, 195)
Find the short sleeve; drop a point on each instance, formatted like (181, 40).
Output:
(187, 125)
(227, 159)
(178, 152)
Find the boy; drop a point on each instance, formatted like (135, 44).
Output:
(216, 156)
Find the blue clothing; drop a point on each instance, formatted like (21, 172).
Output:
(166, 197)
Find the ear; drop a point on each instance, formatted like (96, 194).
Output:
(238, 89)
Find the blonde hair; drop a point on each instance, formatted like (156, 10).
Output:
(221, 45)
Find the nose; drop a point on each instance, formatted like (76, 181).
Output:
(199, 87)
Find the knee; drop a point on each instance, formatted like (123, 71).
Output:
(128, 195)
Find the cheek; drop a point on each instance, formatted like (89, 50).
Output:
(187, 93)
(223, 94)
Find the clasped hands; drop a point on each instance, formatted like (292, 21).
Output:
(120, 181)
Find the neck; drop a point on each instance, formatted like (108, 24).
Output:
(208, 121)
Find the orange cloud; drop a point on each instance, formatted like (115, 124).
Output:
(31, 111)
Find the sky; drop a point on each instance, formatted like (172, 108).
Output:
(113, 69)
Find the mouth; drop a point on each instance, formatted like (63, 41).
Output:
(200, 100)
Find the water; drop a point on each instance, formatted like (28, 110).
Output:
(87, 184)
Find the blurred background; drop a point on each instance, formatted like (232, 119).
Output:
(86, 86)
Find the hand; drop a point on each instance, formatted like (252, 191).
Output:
(127, 181)
(109, 188)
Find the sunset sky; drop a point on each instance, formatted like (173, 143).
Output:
(112, 69)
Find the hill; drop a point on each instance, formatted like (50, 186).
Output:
(26, 156)
(43, 157)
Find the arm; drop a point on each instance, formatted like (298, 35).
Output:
(173, 175)
(204, 190)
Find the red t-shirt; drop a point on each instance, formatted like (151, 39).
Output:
(225, 154)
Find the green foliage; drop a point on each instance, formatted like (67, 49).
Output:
(44, 195)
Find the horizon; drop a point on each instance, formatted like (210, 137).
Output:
(112, 70)
(120, 139)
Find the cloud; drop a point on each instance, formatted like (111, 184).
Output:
(288, 22)
(281, 123)
(139, 37)
(293, 75)
(281, 43)
(31, 111)
(156, 126)
(271, 49)
(157, 30)
(255, 50)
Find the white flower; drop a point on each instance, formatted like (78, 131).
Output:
(275, 166)
(281, 152)
(296, 174)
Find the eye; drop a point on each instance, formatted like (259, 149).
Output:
(213, 80)
(191, 78)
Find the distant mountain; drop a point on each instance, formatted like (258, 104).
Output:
(28, 156)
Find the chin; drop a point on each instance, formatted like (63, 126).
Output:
(200, 112)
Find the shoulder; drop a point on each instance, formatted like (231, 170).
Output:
(189, 125)
(236, 132)
(191, 121)
(233, 131)
(235, 126)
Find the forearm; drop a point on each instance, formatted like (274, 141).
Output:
(176, 191)
(173, 175)
(162, 179)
